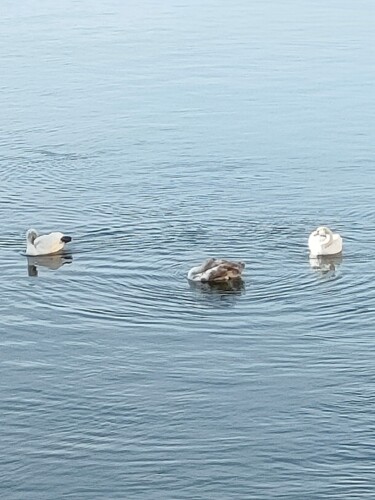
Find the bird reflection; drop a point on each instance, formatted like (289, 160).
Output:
(225, 292)
(326, 265)
(52, 262)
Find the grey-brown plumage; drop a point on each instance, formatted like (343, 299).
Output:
(216, 270)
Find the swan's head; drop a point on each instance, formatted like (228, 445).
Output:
(58, 236)
(241, 265)
(322, 236)
(31, 235)
(323, 231)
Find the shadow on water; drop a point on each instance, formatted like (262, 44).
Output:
(52, 262)
(326, 265)
(223, 293)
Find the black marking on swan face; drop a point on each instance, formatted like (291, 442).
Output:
(66, 239)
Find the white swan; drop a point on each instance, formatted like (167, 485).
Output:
(216, 270)
(323, 241)
(45, 244)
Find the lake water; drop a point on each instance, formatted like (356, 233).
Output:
(157, 134)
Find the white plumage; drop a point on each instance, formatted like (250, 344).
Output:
(323, 241)
(45, 244)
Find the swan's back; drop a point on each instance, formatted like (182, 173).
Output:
(215, 270)
(49, 243)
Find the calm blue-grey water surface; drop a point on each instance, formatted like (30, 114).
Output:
(158, 134)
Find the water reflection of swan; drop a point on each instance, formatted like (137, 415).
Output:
(223, 293)
(323, 241)
(53, 262)
(326, 264)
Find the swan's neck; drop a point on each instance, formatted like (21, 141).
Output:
(325, 236)
(194, 271)
(31, 236)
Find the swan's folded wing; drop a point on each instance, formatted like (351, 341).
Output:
(226, 270)
(48, 243)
